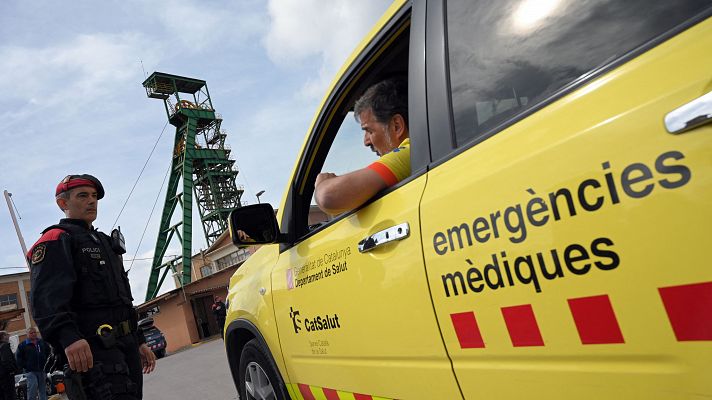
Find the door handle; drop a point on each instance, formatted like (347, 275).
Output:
(691, 115)
(398, 232)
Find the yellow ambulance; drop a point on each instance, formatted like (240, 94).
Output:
(554, 237)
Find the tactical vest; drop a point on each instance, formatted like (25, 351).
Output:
(101, 279)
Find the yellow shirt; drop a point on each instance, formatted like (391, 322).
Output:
(394, 166)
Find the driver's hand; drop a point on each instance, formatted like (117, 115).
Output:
(323, 177)
(243, 236)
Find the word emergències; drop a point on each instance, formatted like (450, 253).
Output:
(575, 258)
(539, 212)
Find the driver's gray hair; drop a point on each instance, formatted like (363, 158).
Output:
(385, 99)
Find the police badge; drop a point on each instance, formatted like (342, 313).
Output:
(38, 253)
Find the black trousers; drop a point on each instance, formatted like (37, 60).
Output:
(221, 325)
(119, 366)
(7, 387)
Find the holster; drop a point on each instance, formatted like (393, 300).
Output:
(107, 334)
(76, 388)
(73, 386)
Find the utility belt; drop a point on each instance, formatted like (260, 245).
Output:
(107, 334)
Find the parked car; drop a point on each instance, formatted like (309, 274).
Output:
(155, 339)
(551, 242)
(54, 383)
(21, 387)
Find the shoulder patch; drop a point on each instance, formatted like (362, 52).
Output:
(50, 235)
(38, 253)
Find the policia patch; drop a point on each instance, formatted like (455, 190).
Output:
(38, 253)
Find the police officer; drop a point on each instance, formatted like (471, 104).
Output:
(81, 298)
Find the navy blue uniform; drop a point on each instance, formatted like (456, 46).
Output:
(79, 284)
(8, 369)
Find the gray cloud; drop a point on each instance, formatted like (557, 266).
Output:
(325, 31)
(73, 102)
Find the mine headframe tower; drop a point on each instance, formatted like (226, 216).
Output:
(201, 162)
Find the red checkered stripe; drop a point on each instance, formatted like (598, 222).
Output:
(309, 392)
(688, 308)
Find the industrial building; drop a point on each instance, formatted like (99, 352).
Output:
(15, 313)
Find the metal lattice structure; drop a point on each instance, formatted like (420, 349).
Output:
(201, 162)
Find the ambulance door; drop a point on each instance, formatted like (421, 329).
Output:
(352, 302)
(362, 323)
(566, 220)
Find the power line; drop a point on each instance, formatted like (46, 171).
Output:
(151, 258)
(244, 176)
(149, 216)
(133, 259)
(139, 175)
(13, 204)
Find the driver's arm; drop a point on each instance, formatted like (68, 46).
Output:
(336, 194)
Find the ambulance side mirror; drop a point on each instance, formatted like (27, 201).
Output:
(254, 224)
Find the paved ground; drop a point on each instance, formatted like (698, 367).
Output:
(199, 373)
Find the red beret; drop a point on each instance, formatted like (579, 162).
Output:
(72, 181)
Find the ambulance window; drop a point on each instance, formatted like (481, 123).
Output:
(347, 152)
(506, 57)
(337, 145)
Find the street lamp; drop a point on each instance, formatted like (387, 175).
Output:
(260, 193)
(10, 203)
(178, 276)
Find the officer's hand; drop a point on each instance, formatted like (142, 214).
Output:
(148, 359)
(79, 356)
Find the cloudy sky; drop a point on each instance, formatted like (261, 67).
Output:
(71, 99)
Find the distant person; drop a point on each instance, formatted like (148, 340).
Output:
(8, 368)
(81, 298)
(383, 114)
(31, 356)
(220, 313)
